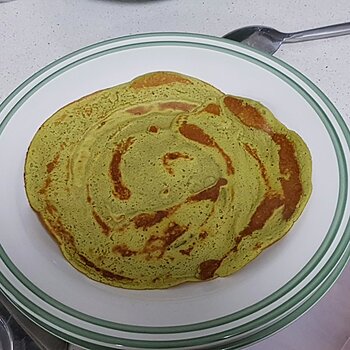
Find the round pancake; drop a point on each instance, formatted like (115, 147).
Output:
(165, 180)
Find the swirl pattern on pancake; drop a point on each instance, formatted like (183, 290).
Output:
(165, 180)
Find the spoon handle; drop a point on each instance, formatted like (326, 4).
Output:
(318, 33)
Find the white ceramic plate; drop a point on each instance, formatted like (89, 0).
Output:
(273, 290)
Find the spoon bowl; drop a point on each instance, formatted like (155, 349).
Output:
(261, 38)
(269, 39)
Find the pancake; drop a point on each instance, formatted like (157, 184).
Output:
(165, 180)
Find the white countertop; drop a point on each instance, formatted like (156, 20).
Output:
(35, 32)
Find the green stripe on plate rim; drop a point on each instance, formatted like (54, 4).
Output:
(290, 284)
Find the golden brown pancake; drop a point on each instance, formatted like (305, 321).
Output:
(165, 180)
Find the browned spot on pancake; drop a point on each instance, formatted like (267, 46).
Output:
(105, 228)
(195, 133)
(257, 246)
(169, 157)
(289, 168)
(51, 208)
(123, 250)
(176, 106)
(213, 109)
(88, 197)
(288, 163)
(149, 219)
(186, 251)
(60, 231)
(211, 193)
(158, 244)
(46, 185)
(208, 268)
(104, 273)
(158, 79)
(140, 110)
(262, 213)
(153, 129)
(203, 235)
(175, 155)
(253, 152)
(120, 190)
(247, 114)
(173, 232)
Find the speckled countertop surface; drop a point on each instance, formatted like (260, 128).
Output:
(35, 32)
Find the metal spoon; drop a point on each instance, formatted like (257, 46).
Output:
(269, 39)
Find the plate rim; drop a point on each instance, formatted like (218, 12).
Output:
(335, 113)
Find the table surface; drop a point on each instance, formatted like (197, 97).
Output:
(33, 33)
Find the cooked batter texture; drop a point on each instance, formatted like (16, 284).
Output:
(165, 180)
